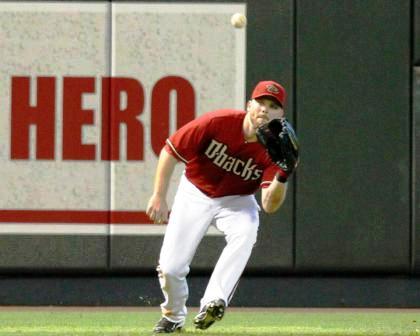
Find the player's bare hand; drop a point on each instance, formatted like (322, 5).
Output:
(157, 209)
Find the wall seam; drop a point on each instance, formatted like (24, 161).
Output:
(295, 116)
(412, 153)
(109, 73)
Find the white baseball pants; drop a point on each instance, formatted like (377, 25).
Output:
(192, 214)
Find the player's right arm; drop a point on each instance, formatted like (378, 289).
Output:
(180, 146)
(157, 208)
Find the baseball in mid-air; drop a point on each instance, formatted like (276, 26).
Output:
(238, 20)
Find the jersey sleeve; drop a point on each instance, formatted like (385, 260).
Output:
(187, 141)
(269, 174)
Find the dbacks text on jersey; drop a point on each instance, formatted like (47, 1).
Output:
(216, 152)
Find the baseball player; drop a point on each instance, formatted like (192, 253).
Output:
(225, 164)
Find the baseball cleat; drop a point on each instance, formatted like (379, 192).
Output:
(164, 326)
(212, 312)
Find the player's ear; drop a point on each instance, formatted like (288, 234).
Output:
(248, 104)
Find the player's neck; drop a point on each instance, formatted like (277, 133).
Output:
(248, 129)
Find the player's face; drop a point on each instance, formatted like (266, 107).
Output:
(263, 110)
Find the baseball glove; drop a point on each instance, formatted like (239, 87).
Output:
(282, 145)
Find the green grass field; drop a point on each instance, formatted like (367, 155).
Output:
(235, 323)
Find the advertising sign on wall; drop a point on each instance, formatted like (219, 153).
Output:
(89, 93)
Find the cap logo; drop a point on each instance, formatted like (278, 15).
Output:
(272, 89)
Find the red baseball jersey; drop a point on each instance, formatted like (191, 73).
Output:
(218, 160)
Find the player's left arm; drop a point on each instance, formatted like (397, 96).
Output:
(281, 143)
(273, 196)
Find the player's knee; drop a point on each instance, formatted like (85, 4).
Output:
(172, 271)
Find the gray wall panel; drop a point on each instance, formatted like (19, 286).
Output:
(53, 253)
(130, 253)
(416, 29)
(353, 80)
(270, 50)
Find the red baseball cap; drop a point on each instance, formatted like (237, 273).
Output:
(272, 89)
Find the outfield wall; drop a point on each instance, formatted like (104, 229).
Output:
(91, 90)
